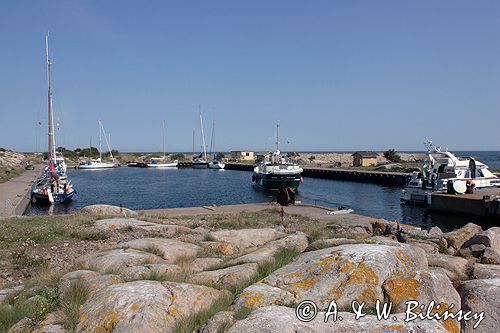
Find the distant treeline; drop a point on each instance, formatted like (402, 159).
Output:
(91, 152)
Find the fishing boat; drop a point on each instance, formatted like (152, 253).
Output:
(279, 172)
(443, 171)
(98, 163)
(215, 163)
(201, 161)
(53, 185)
(162, 162)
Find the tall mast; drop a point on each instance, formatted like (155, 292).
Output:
(278, 137)
(100, 138)
(107, 139)
(212, 140)
(52, 142)
(163, 139)
(193, 142)
(203, 138)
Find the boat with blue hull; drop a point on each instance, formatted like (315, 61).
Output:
(53, 185)
(279, 172)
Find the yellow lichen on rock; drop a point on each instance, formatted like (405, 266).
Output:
(109, 322)
(363, 275)
(293, 275)
(368, 296)
(397, 327)
(346, 266)
(401, 289)
(254, 301)
(449, 324)
(304, 284)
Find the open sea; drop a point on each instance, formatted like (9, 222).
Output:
(138, 188)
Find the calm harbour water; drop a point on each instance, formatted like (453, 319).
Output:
(138, 188)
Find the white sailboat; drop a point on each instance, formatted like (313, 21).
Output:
(98, 163)
(200, 163)
(162, 162)
(215, 163)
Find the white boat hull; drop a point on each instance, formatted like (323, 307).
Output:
(97, 166)
(162, 165)
(217, 165)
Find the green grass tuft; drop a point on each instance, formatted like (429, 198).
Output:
(35, 304)
(242, 313)
(71, 301)
(194, 322)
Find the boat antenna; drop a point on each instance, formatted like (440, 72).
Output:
(52, 142)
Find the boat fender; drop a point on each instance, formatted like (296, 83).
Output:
(301, 179)
(254, 178)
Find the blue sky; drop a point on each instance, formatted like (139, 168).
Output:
(339, 75)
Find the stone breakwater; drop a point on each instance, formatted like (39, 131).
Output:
(228, 277)
(346, 159)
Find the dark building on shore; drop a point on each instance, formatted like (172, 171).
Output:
(364, 158)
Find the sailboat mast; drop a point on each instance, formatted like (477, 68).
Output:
(52, 143)
(212, 140)
(193, 142)
(203, 139)
(100, 138)
(278, 137)
(163, 139)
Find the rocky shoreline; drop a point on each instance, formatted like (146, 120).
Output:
(251, 272)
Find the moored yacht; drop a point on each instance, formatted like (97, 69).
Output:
(216, 163)
(443, 171)
(199, 162)
(162, 162)
(98, 163)
(53, 185)
(277, 173)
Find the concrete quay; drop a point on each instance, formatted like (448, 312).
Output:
(15, 194)
(482, 203)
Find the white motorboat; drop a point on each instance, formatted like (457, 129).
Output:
(162, 163)
(443, 171)
(278, 173)
(98, 163)
(216, 164)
